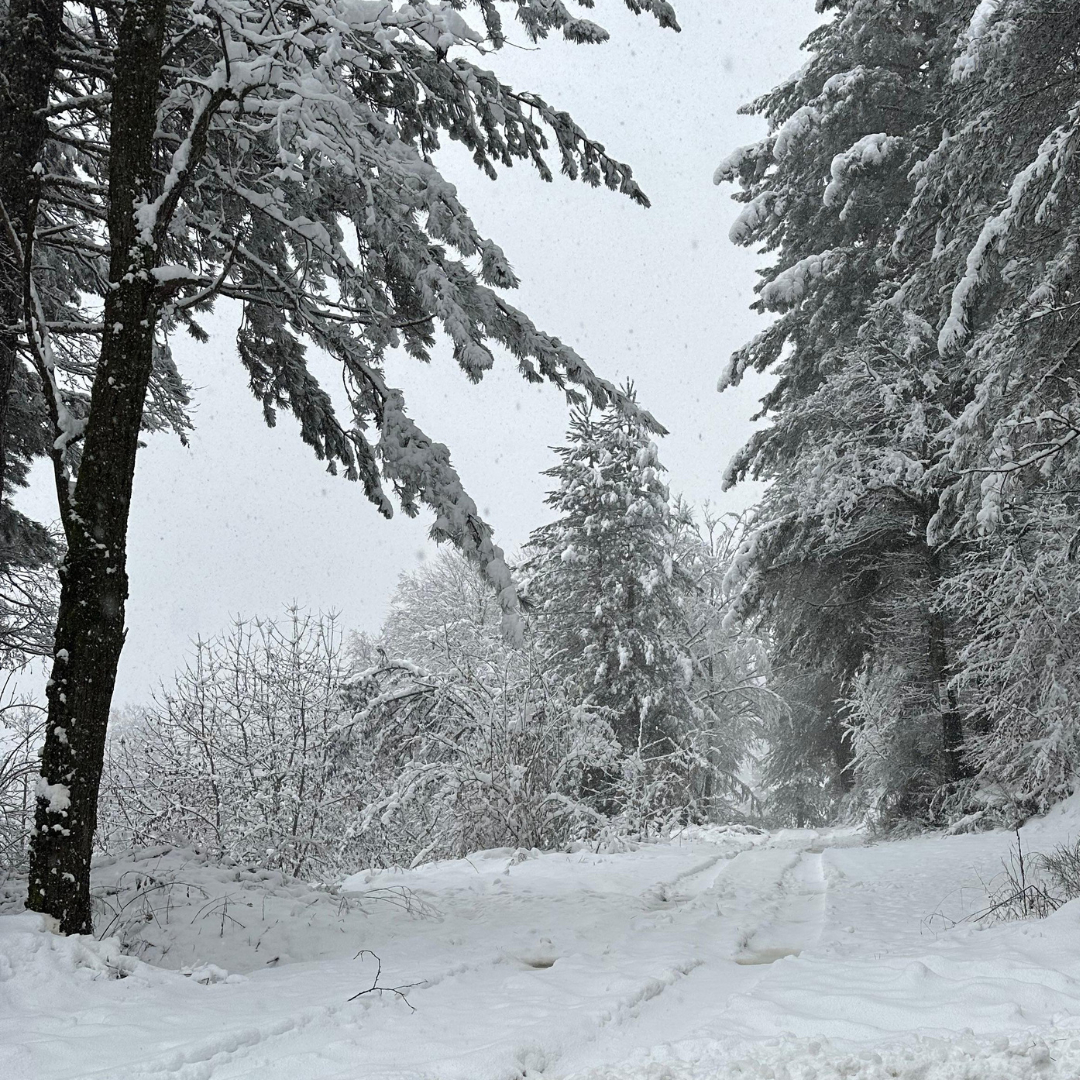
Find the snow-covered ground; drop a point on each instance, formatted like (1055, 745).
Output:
(799, 955)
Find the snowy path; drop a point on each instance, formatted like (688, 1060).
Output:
(676, 960)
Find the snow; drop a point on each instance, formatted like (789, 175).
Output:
(868, 151)
(791, 284)
(58, 796)
(967, 62)
(752, 216)
(719, 953)
(802, 121)
(1056, 148)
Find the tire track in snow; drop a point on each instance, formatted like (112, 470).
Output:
(769, 896)
(671, 893)
(797, 921)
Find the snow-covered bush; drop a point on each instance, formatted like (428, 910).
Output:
(277, 746)
(21, 731)
(458, 763)
(243, 755)
(1020, 670)
(1033, 885)
(472, 741)
(897, 756)
(476, 743)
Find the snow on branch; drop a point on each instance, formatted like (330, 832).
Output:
(977, 38)
(792, 284)
(421, 469)
(869, 151)
(1054, 152)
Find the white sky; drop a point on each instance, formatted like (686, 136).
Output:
(245, 520)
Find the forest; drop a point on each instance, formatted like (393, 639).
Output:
(887, 641)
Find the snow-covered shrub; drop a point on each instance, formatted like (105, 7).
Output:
(471, 741)
(459, 764)
(1062, 867)
(1023, 889)
(1032, 885)
(1020, 670)
(21, 730)
(897, 758)
(243, 756)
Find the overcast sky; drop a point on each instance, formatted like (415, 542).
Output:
(245, 520)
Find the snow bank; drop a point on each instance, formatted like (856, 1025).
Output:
(180, 909)
(819, 1059)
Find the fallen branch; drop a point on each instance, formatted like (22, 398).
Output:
(375, 988)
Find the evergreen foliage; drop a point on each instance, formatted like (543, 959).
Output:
(604, 584)
(913, 557)
(626, 606)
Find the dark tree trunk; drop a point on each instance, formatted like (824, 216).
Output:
(952, 728)
(843, 754)
(94, 584)
(28, 41)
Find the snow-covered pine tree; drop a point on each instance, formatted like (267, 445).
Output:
(279, 156)
(839, 539)
(29, 30)
(990, 249)
(602, 583)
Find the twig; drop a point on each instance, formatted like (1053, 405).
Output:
(375, 988)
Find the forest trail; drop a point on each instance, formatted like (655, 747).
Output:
(675, 959)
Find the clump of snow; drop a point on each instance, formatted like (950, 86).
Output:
(967, 62)
(802, 121)
(791, 285)
(752, 216)
(58, 796)
(869, 151)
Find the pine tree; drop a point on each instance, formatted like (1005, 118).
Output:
(29, 35)
(602, 582)
(840, 545)
(990, 247)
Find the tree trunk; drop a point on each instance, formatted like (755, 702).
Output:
(94, 584)
(952, 728)
(28, 41)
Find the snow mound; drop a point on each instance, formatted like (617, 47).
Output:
(1027, 1058)
(182, 909)
(34, 957)
(717, 954)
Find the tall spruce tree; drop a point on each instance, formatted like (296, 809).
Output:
(840, 543)
(990, 245)
(603, 585)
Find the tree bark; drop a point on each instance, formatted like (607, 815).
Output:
(28, 41)
(94, 583)
(952, 727)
